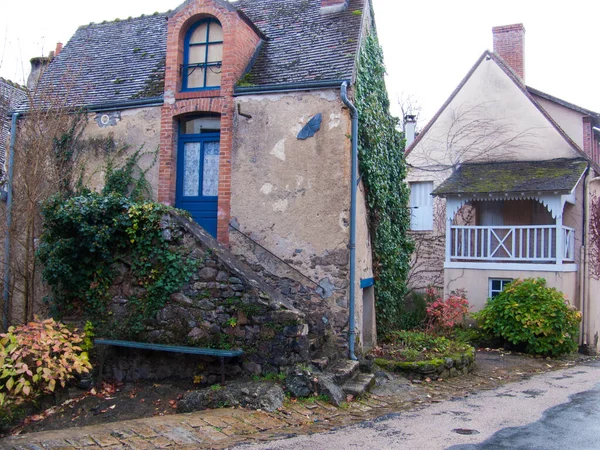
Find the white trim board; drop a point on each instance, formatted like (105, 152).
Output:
(512, 266)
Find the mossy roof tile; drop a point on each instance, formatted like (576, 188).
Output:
(557, 175)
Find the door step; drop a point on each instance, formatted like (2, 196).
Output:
(359, 385)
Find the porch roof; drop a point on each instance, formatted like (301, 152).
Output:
(558, 176)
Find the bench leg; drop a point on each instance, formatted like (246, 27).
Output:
(102, 349)
(222, 370)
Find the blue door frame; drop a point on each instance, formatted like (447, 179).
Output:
(190, 187)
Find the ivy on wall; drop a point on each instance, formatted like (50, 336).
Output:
(89, 237)
(383, 169)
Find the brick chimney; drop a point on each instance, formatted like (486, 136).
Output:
(509, 43)
(59, 47)
(333, 6)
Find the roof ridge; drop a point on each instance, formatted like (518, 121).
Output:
(128, 19)
(554, 160)
(14, 84)
(523, 88)
(562, 102)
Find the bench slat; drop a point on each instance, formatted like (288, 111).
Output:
(171, 348)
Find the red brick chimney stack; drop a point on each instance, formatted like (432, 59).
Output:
(59, 47)
(509, 43)
(332, 6)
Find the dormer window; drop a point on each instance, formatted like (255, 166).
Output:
(203, 56)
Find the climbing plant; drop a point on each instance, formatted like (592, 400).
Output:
(87, 240)
(382, 166)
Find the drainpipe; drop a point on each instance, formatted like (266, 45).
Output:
(353, 187)
(11, 158)
(586, 265)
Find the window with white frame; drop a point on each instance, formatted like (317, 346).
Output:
(497, 285)
(421, 205)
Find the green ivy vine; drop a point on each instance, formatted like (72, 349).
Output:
(88, 237)
(383, 170)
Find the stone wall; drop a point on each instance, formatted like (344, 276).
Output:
(224, 305)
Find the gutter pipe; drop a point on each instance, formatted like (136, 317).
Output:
(585, 289)
(11, 159)
(287, 87)
(353, 187)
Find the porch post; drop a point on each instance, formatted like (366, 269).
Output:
(448, 229)
(560, 240)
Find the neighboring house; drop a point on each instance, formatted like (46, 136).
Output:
(243, 102)
(11, 95)
(500, 183)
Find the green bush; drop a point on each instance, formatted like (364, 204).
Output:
(529, 314)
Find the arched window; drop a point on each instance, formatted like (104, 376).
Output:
(203, 56)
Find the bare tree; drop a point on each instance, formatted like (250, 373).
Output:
(409, 106)
(45, 155)
(474, 134)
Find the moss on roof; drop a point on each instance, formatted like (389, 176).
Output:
(558, 175)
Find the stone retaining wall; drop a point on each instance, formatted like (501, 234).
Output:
(224, 305)
(449, 367)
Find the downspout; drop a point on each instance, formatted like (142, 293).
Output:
(11, 159)
(586, 256)
(353, 187)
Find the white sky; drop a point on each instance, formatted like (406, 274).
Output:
(429, 45)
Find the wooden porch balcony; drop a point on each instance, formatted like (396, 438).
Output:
(531, 244)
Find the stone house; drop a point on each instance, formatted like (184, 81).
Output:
(501, 181)
(243, 106)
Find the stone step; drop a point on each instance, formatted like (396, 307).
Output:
(359, 385)
(343, 370)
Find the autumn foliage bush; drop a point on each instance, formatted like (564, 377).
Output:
(36, 358)
(445, 314)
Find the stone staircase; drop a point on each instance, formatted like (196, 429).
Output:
(345, 374)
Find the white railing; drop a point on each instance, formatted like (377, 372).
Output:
(534, 243)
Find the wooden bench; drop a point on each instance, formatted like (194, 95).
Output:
(221, 354)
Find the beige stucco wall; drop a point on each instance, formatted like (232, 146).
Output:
(130, 129)
(489, 119)
(476, 282)
(293, 196)
(570, 121)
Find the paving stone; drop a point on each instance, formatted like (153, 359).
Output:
(180, 436)
(216, 422)
(104, 440)
(162, 442)
(242, 427)
(195, 421)
(257, 421)
(122, 433)
(137, 443)
(301, 409)
(143, 430)
(55, 444)
(82, 441)
(209, 433)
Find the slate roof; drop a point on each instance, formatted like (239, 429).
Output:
(11, 95)
(123, 61)
(557, 175)
(302, 44)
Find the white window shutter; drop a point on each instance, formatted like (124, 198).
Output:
(421, 205)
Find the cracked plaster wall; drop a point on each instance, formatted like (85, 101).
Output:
(293, 196)
(130, 129)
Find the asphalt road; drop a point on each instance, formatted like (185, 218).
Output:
(555, 410)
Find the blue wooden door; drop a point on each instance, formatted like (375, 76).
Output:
(198, 178)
